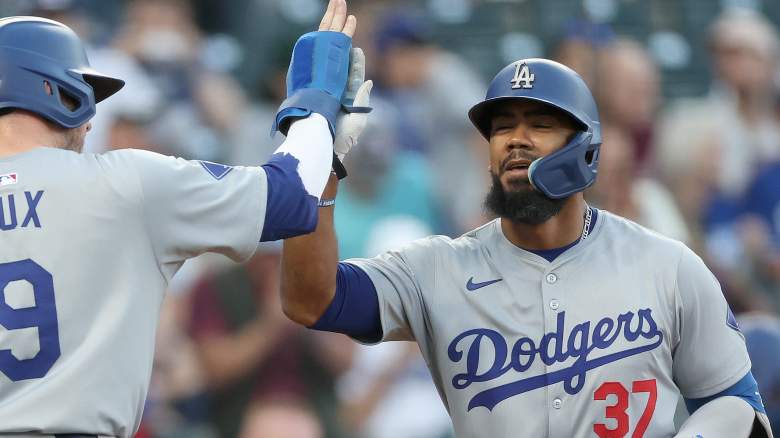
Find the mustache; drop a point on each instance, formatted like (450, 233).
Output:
(517, 155)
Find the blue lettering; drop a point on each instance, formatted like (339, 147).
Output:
(630, 335)
(556, 336)
(645, 316)
(604, 328)
(580, 331)
(32, 204)
(11, 224)
(550, 351)
(518, 351)
(471, 375)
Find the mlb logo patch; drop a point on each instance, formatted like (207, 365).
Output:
(8, 179)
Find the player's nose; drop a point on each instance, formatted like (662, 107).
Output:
(519, 138)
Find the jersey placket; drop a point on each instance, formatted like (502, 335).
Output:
(559, 415)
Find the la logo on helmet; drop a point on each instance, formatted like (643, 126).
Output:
(523, 77)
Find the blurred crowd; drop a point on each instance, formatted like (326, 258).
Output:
(703, 169)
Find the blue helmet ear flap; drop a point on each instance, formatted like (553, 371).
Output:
(568, 170)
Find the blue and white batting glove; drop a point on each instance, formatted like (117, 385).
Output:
(316, 79)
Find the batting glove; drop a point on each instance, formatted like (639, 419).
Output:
(316, 80)
(354, 115)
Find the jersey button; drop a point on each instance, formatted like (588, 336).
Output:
(557, 403)
(554, 304)
(551, 278)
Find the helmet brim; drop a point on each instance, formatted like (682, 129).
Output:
(103, 86)
(480, 114)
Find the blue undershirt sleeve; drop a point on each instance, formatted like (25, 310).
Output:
(290, 210)
(354, 310)
(746, 389)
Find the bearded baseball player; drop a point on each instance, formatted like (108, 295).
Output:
(556, 319)
(89, 242)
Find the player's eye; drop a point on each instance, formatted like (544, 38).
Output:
(502, 126)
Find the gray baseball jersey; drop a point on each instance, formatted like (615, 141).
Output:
(87, 246)
(599, 342)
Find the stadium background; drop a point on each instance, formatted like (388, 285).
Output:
(688, 91)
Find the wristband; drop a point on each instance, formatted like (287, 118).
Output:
(326, 202)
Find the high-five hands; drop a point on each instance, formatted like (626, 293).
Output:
(327, 77)
(317, 76)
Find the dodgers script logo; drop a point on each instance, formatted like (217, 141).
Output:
(551, 349)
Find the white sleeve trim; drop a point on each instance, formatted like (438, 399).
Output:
(310, 142)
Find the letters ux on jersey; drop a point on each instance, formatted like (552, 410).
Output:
(16, 211)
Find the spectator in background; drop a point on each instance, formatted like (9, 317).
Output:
(255, 359)
(139, 100)
(628, 92)
(762, 336)
(735, 126)
(760, 226)
(711, 149)
(384, 184)
(622, 191)
(432, 90)
(281, 420)
(580, 47)
(203, 105)
(745, 50)
(390, 380)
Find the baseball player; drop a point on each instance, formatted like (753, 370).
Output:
(556, 319)
(89, 242)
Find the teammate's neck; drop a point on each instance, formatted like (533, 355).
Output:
(21, 132)
(558, 231)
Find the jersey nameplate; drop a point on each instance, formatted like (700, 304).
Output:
(554, 347)
(11, 210)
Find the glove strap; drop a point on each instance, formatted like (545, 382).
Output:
(356, 109)
(338, 167)
(302, 104)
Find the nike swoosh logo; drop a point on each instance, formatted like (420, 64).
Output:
(470, 285)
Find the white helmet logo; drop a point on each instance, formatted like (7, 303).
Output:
(523, 76)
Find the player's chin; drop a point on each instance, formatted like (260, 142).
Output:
(515, 184)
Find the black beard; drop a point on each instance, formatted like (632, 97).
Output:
(524, 204)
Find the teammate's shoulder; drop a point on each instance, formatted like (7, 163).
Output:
(130, 155)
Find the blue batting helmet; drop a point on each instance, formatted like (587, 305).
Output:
(572, 168)
(35, 51)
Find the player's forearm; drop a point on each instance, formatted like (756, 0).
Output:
(309, 266)
(724, 417)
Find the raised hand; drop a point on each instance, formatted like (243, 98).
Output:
(317, 77)
(335, 18)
